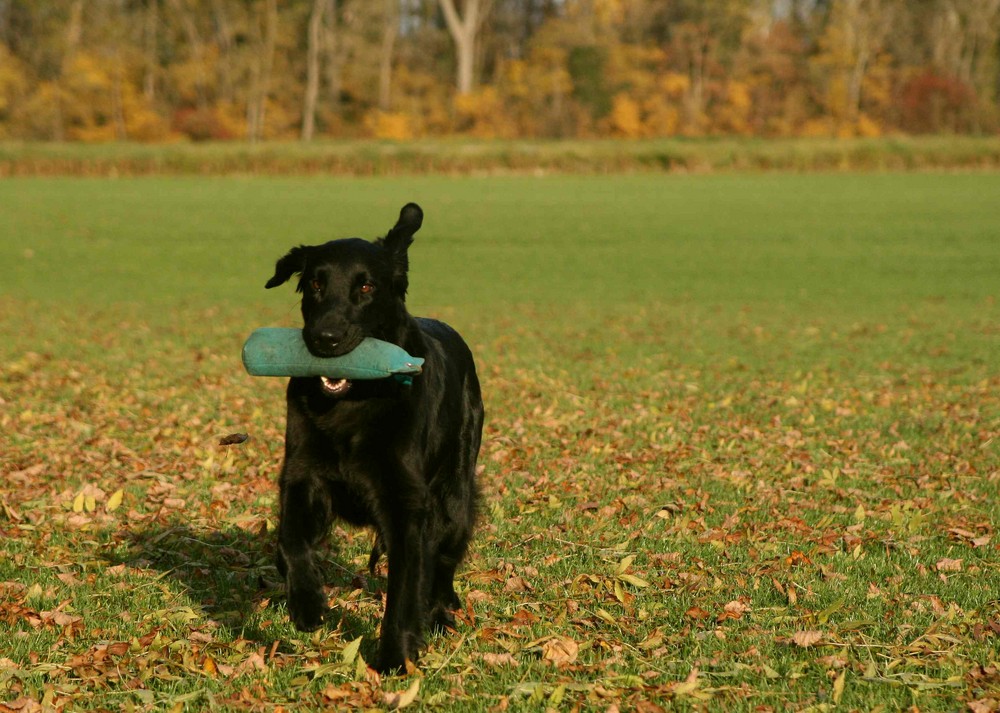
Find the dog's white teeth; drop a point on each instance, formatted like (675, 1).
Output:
(335, 386)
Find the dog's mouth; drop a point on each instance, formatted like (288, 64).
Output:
(335, 387)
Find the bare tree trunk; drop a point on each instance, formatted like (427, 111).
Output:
(74, 32)
(117, 104)
(197, 49)
(225, 39)
(463, 31)
(74, 29)
(336, 50)
(257, 108)
(149, 76)
(854, 84)
(389, 34)
(312, 70)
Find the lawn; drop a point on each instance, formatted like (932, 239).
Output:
(742, 447)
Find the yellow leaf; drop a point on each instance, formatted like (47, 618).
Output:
(90, 503)
(115, 501)
(209, 668)
(350, 651)
(838, 686)
(633, 580)
(625, 564)
(557, 695)
(78, 503)
(689, 685)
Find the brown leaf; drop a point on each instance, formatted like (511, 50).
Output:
(498, 660)
(807, 638)
(984, 705)
(697, 613)
(517, 584)
(948, 565)
(523, 617)
(560, 650)
(733, 610)
(234, 439)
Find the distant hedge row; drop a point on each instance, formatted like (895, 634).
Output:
(469, 157)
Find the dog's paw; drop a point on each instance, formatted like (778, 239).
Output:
(442, 619)
(394, 654)
(390, 662)
(307, 609)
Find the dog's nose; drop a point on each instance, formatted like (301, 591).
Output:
(329, 338)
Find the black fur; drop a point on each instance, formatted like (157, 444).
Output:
(398, 458)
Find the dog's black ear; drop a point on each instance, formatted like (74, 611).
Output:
(398, 240)
(291, 264)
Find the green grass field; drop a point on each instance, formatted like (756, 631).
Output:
(741, 451)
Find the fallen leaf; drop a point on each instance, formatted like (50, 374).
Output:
(115, 500)
(234, 439)
(499, 660)
(697, 613)
(733, 610)
(838, 686)
(560, 650)
(688, 685)
(948, 565)
(350, 652)
(807, 638)
(395, 701)
(517, 584)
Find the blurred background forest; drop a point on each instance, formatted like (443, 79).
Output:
(169, 70)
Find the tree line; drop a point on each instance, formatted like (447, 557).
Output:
(162, 70)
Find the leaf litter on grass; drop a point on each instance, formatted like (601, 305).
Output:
(715, 536)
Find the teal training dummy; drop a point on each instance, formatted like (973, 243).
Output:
(280, 351)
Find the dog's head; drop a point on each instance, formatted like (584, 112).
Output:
(352, 288)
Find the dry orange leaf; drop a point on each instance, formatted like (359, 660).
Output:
(560, 650)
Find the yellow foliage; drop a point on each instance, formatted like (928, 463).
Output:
(626, 118)
(661, 117)
(868, 127)
(608, 13)
(483, 114)
(734, 115)
(13, 82)
(820, 127)
(84, 73)
(426, 103)
(391, 125)
(41, 114)
(635, 66)
(674, 84)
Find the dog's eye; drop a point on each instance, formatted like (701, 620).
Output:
(367, 288)
(315, 285)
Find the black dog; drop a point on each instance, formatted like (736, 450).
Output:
(399, 458)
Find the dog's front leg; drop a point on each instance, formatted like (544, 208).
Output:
(304, 522)
(407, 594)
